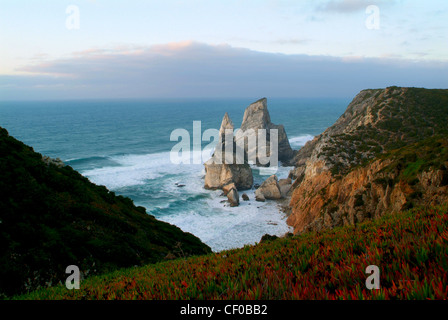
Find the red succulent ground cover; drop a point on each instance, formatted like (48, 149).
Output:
(410, 248)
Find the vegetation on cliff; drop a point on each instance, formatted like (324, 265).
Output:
(399, 117)
(387, 152)
(414, 159)
(410, 249)
(378, 121)
(371, 190)
(52, 217)
(397, 180)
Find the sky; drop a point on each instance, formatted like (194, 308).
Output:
(82, 49)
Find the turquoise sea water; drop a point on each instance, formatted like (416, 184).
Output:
(125, 145)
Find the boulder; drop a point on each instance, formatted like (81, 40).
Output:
(283, 182)
(259, 197)
(284, 190)
(219, 175)
(245, 197)
(285, 186)
(226, 189)
(270, 189)
(233, 197)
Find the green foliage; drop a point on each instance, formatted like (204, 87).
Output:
(396, 121)
(52, 217)
(412, 169)
(415, 158)
(410, 248)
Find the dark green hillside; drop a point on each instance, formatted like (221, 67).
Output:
(52, 217)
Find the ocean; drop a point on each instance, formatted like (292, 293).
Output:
(125, 145)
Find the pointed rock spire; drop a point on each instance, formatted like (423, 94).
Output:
(256, 116)
(226, 129)
(223, 169)
(226, 123)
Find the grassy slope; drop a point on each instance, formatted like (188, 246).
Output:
(430, 153)
(410, 248)
(52, 217)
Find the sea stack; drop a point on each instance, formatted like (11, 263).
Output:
(224, 169)
(256, 117)
(220, 170)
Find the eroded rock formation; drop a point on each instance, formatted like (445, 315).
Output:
(219, 172)
(256, 117)
(227, 168)
(269, 190)
(387, 152)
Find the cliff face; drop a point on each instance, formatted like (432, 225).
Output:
(387, 152)
(376, 121)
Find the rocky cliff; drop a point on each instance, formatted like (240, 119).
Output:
(387, 152)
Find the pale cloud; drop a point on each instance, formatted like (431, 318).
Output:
(350, 6)
(343, 6)
(293, 41)
(192, 69)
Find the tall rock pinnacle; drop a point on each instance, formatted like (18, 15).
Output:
(223, 169)
(257, 117)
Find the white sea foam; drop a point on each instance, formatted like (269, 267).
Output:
(223, 227)
(300, 141)
(201, 212)
(138, 169)
(132, 170)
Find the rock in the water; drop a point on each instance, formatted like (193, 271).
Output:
(259, 197)
(228, 187)
(284, 190)
(233, 198)
(285, 186)
(245, 197)
(223, 169)
(226, 168)
(233, 167)
(283, 182)
(219, 175)
(270, 189)
(226, 125)
(257, 117)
